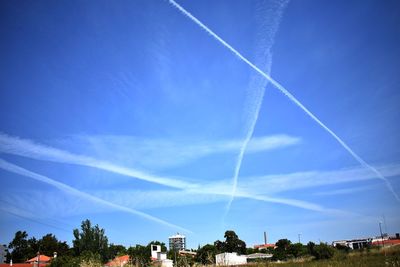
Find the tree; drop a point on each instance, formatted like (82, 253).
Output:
(90, 239)
(282, 249)
(232, 243)
(139, 255)
(49, 244)
(21, 248)
(206, 254)
(310, 248)
(116, 250)
(297, 250)
(323, 251)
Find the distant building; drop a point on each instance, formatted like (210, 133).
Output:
(156, 254)
(39, 260)
(257, 256)
(3, 253)
(264, 246)
(226, 259)
(177, 242)
(353, 243)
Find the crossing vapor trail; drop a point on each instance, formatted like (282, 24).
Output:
(257, 85)
(283, 90)
(70, 190)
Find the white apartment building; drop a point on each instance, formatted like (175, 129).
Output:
(177, 242)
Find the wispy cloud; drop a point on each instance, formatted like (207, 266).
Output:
(162, 153)
(275, 183)
(70, 190)
(257, 86)
(291, 97)
(30, 149)
(344, 191)
(256, 188)
(147, 153)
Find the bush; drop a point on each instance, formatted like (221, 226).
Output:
(323, 251)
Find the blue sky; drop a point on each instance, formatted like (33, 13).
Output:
(130, 114)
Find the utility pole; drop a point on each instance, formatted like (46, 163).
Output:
(299, 235)
(380, 229)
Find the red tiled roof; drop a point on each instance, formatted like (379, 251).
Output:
(118, 260)
(264, 246)
(42, 258)
(386, 242)
(20, 264)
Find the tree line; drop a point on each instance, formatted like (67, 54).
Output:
(90, 247)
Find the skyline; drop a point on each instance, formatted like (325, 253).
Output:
(129, 123)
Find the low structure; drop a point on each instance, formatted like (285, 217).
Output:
(156, 254)
(167, 263)
(264, 246)
(39, 260)
(257, 256)
(353, 243)
(227, 259)
(3, 253)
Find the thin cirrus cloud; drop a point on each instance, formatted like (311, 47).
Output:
(147, 152)
(28, 148)
(253, 188)
(82, 195)
(162, 153)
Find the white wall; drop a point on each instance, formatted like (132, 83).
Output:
(230, 259)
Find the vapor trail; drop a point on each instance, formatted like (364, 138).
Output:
(256, 101)
(70, 190)
(28, 148)
(286, 93)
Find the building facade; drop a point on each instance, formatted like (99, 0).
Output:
(227, 259)
(177, 242)
(3, 253)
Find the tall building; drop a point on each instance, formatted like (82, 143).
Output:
(177, 242)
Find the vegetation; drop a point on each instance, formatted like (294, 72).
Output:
(369, 258)
(91, 249)
(23, 248)
(90, 239)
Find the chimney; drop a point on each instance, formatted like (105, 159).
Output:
(265, 238)
(11, 262)
(54, 254)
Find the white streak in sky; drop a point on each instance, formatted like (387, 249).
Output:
(287, 94)
(70, 190)
(30, 149)
(253, 108)
(164, 153)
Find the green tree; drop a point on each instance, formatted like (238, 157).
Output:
(282, 249)
(116, 250)
(90, 239)
(206, 254)
(323, 251)
(20, 248)
(232, 243)
(65, 261)
(297, 250)
(49, 244)
(139, 255)
(310, 248)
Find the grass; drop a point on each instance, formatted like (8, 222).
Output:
(388, 257)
